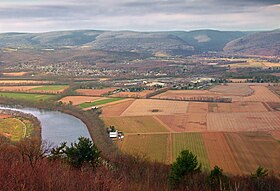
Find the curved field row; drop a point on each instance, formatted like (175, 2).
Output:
(254, 149)
(192, 142)
(219, 152)
(261, 94)
(233, 89)
(243, 121)
(145, 124)
(154, 147)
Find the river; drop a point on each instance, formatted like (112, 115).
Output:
(57, 127)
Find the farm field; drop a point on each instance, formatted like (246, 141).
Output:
(194, 143)
(191, 122)
(233, 89)
(12, 128)
(142, 94)
(154, 147)
(14, 74)
(261, 94)
(198, 107)
(115, 109)
(253, 121)
(146, 124)
(23, 82)
(26, 96)
(254, 149)
(275, 135)
(99, 102)
(95, 92)
(237, 107)
(76, 100)
(53, 89)
(142, 107)
(219, 152)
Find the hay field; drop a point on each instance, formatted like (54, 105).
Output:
(142, 107)
(94, 92)
(142, 94)
(115, 109)
(253, 121)
(76, 100)
(192, 142)
(254, 149)
(51, 89)
(219, 152)
(191, 122)
(26, 96)
(237, 107)
(16, 88)
(154, 147)
(146, 124)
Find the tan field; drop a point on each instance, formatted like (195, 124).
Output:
(143, 107)
(237, 107)
(261, 94)
(198, 107)
(17, 88)
(191, 122)
(233, 89)
(95, 92)
(23, 82)
(219, 152)
(185, 94)
(15, 74)
(275, 135)
(116, 109)
(142, 94)
(76, 100)
(253, 121)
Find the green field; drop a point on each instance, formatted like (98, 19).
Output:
(25, 96)
(13, 128)
(144, 124)
(51, 88)
(194, 143)
(154, 147)
(99, 102)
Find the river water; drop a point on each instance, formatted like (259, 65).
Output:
(57, 127)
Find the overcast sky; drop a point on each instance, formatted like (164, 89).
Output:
(139, 15)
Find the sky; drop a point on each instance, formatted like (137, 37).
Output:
(138, 15)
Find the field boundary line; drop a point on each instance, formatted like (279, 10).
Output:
(162, 123)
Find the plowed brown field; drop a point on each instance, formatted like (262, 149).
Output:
(219, 152)
(142, 94)
(233, 89)
(237, 107)
(254, 149)
(115, 109)
(191, 122)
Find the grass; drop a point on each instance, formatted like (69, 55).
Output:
(51, 88)
(143, 124)
(154, 147)
(194, 143)
(26, 96)
(99, 102)
(13, 128)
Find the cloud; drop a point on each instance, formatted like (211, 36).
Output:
(47, 15)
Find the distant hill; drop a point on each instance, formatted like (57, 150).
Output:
(260, 43)
(156, 43)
